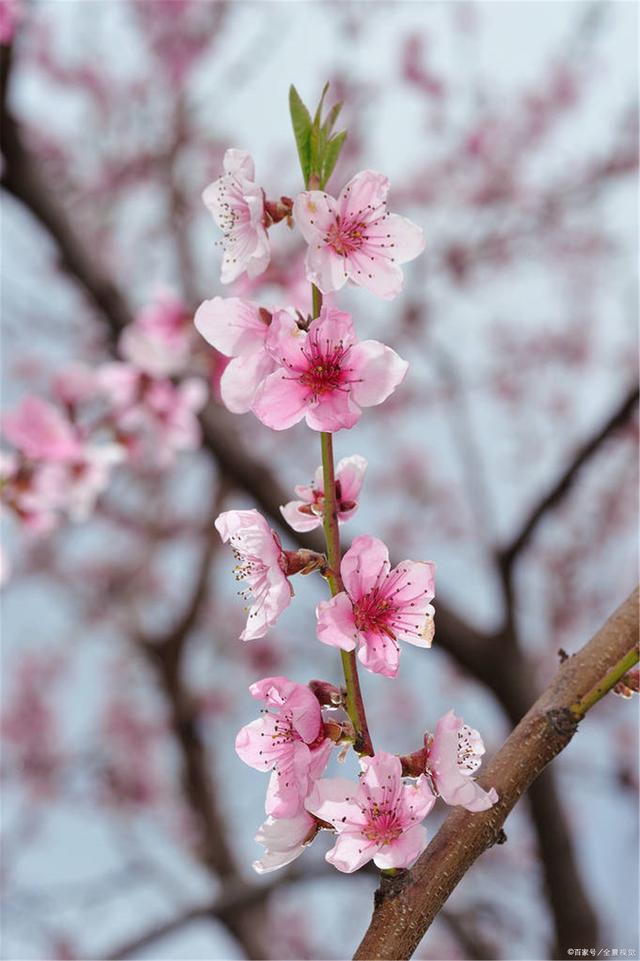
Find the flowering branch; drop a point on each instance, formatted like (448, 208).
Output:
(406, 908)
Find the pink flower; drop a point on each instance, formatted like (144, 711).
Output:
(237, 205)
(284, 839)
(238, 329)
(159, 341)
(378, 819)
(379, 606)
(155, 418)
(289, 742)
(10, 16)
(41, 432)
(305, 514)
(355, 238)
(324, 375)
(76, 384)
(261, 564)
(453, 755)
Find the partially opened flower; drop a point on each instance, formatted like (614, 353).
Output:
(238, 329)
(324, 375)
(376, 819)
(290, 742)
(355, 238)
(454, 754)
(237, 205)
(306, 513)
(378, 606)
(284, 839)
(261, 565)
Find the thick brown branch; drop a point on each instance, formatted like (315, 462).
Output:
(407, 908)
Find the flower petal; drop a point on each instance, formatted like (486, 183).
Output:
(335, 624)
(280, 401)
(363, 564)
(377, 370)
(402, 852)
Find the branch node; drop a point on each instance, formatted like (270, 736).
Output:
(562, 721)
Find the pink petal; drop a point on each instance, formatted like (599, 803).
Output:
(320, 758)
(416, 800)
(402, 852)
(297, 520)
(382, 778)
(241, 379)
(379, 654)
(314, 213)
(263, 615)
(407, 238)
(375, 272)
(325, 268)
(350, 852)
(378, 371)
(286, 342)
(284, 839)
(254, 743)
(239, 163)
(350, 472)
(362, 564)
(367, 190)
(334, 411)
(280, 401)
(231, 325)
(335, 623)
(333, 327)
(333, 799)
(288, 783)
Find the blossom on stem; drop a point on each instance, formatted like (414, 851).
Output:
(306, 514)
(378, 818)
(324, 375)
(453, 754)
(262, 565)
(355, 238)
(237, 205)
(238, 329)
(378, 606)
(290, 742)
(284, 839)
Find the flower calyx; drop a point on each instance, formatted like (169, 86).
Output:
(303, 561)
(277, 210)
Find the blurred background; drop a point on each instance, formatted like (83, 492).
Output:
(508, 456)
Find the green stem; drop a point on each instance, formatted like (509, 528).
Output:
(355, 704)
(580, 708)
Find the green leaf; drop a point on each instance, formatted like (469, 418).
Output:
(331, 154)
(301, 122)
(331, 118)
(318, 116)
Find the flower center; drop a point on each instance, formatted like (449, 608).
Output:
(326, 371)
(345, 236)
(382, 825)
(375, 613)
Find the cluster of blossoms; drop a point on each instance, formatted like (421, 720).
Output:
(285, 367)
(64, 449)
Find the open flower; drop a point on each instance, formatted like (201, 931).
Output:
(290, 742)
(238, 329)
(355, 238)
(305, 514)
(454, 753)
(237, 205)
(378, 818)
(284, 839)
(379, 606)
(261, 565)
(324, 375)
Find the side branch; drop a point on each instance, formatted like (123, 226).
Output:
(618, 418)
(408, 905)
